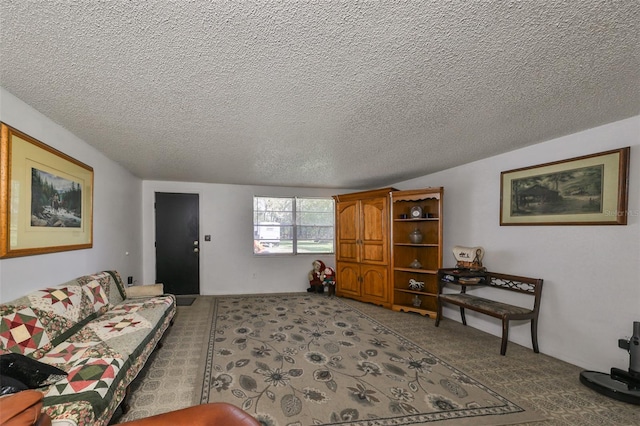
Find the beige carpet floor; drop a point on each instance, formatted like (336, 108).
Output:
(173, 376)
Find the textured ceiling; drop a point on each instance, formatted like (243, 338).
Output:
(322, 94)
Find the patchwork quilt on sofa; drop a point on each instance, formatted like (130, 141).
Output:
(88, 328)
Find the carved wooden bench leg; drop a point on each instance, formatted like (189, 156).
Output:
(505, 336)
(438, 313)
(534, 334)
(464, 319)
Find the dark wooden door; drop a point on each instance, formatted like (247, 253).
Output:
(177, 243)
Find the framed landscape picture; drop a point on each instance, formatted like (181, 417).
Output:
(588, 190)
(47, 198)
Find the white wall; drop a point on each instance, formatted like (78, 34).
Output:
(591, 293)
(227, 262)
(116, 212)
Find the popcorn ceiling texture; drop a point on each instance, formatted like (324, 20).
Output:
(317, 93)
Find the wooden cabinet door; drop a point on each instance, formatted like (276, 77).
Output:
(375, 284)
(348, 279)
(374, 231)
(348, 231)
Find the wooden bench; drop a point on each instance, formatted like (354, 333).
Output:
(500, 310)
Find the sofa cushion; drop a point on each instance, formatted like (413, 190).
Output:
(22, 330)
(97, 296)
(117, 290)
(35, 323)
(32, 325)
(147, 290)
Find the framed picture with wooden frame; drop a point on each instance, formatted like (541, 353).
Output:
(588, 190)
(47, 198)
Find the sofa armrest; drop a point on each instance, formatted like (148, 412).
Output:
(145, 290)
(23, 408)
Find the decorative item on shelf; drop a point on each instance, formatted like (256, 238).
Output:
(449, 278)
(415, 285)
(415, 264)
(415, 236)
(469, 258)
(416, 212)
(417, 301)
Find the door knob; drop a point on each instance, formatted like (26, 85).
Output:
(196, 250)
(195, 243)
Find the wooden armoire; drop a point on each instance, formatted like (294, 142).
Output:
(362, 246)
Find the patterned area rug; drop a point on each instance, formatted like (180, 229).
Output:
(301, 360)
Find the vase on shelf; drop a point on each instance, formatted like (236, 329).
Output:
(415, 264)
(415, 236)
(417, 301)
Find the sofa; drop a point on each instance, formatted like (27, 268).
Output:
(90, 331)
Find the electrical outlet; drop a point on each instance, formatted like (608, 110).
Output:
(129, 280)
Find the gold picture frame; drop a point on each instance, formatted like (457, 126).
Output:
(587, 190)
(47, 198)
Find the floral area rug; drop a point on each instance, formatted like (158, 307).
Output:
(293, 360)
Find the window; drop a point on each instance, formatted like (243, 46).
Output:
(291, 225)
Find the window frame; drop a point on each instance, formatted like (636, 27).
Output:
(295, 225)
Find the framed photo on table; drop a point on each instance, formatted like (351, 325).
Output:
(588, 190)
(47, 198)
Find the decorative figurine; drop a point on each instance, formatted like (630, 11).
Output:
(415, 285)
(315, 281)
(329, 280)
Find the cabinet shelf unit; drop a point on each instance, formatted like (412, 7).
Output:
(416, 249)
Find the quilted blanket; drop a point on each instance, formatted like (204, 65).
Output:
(88, 328)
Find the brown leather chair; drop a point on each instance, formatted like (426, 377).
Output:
(23, 409)
(212, 414)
